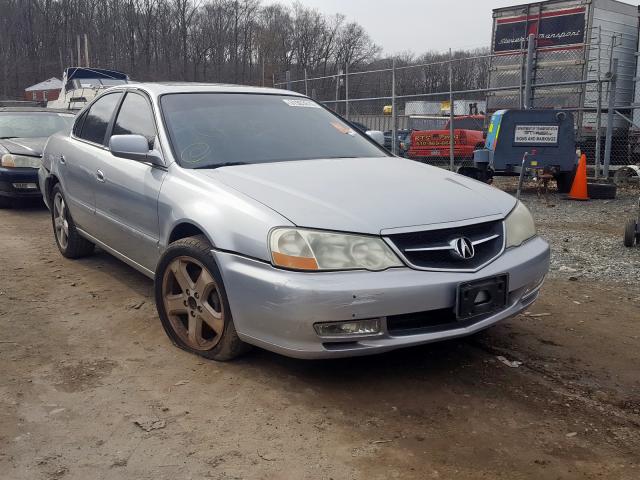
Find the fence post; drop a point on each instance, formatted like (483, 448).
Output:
(528, 78)
(394, 114)
(451, 115)
(338, 91)
(598, 108)
(346, 91)
(610, 113)
(288, 79)
(306, 83)
(521, 79)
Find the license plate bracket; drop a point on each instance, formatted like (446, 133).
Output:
(482, 297)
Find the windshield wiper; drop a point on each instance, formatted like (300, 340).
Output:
(6, 138)
(218, 165)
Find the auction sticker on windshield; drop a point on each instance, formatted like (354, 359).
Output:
(300, 102)
(536, 134)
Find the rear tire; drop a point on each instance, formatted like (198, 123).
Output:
(630, 233)
(601, 191)
(70, 243)
(192, 301)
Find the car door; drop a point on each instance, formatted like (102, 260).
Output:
(127, 192)
(78, 162)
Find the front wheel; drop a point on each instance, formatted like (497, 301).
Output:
(192, 301)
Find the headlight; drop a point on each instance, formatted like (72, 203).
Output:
(19, 161)
(519, 226)
(301, 249)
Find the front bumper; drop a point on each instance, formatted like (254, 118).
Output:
(11, 178)
(276, 309)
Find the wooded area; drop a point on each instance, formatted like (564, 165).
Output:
(236, 41)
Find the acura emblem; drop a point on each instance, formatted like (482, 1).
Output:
(462, 248)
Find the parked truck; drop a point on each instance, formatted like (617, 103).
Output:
(433, 146)
(576, 41)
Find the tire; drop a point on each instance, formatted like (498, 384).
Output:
(564, 181)
(630, 233)
(5, 202)
(601, 191)
(192, 302)
(70, 243)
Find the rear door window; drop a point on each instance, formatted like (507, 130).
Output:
(135, 118)
(77, 127)
(98, 117)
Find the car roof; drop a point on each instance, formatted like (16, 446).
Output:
(161, 88)
(36, 109)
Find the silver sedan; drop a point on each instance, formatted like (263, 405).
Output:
(265, 219)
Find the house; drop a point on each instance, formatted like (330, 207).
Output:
(44, 91)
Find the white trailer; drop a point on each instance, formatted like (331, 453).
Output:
(576, 41)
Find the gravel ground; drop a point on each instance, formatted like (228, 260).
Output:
(585, 237)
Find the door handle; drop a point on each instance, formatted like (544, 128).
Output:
(100, 176)
(63, 161)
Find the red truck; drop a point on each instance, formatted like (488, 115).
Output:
(433, 145)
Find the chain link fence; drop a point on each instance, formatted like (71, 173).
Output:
(449, 101)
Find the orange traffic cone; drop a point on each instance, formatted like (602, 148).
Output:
(579, 186)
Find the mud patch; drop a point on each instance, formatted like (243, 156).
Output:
(82, 375)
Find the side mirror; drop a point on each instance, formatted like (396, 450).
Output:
(377, 136)
(134, 147)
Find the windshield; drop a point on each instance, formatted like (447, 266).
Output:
(468, 123)
(212, 129)
(33, 124)
(95, 83)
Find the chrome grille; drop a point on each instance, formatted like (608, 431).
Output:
(448, 249)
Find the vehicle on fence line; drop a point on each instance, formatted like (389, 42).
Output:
(405, 145)
(432, 146)
(401, 135)
(328, 246)
(545, 137)
(80, 85)
(23, 133)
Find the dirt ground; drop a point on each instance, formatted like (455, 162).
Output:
(91, 388)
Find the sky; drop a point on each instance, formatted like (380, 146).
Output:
(419, 25)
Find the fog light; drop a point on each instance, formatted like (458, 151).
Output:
(25, 186)
(341, 329)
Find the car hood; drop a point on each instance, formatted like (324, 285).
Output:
(364, 195)
(25, 146)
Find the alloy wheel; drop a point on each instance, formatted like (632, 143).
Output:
(60, 222)
(193, 303)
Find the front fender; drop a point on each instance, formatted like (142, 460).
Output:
(231, 221)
